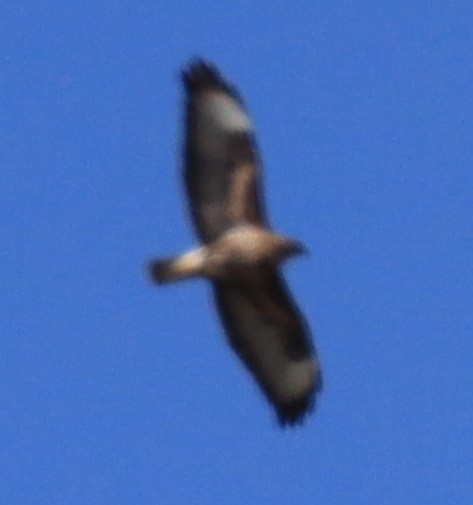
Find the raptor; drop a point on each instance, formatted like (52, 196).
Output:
(239, 253)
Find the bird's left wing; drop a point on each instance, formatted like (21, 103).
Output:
(268, 332)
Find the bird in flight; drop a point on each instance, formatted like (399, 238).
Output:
(239, 253)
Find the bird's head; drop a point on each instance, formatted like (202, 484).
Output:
(291, 247)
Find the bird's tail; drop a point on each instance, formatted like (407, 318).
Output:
(166, 270)
(162, 271)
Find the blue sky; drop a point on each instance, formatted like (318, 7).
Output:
(114, 392)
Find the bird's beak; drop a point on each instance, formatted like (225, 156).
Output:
(299, 249)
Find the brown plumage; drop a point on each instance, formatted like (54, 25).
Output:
(240, 254)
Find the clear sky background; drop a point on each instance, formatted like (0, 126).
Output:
(116, 392)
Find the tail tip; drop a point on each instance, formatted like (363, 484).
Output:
(157, 271)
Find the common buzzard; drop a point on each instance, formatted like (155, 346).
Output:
(239, 253)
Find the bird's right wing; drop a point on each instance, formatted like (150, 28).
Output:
(222, 171)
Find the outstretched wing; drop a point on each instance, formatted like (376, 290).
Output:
(270, 335)
(222, 171)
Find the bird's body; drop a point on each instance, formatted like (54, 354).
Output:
(240, 254)
(235, 257)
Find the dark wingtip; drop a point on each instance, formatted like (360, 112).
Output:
(200, 74)
(295, 413)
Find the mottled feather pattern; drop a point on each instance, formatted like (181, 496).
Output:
(240, 254)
